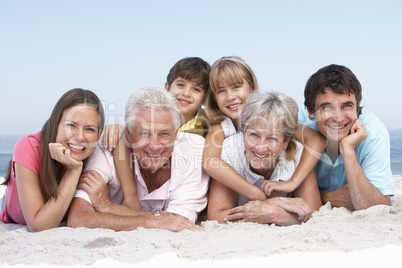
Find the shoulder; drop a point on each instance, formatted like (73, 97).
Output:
(28, 144)
(299, 145)
(215, 134)
(304, 118)
(299, 151)
(233, 146)
(377, 143)
(31, 141)
(228, 127)
(216, 127)
(201, 113)
(374, 126)
(101, 160)
(189, 142)
(99, 157)
(235, 139)
(27, 152)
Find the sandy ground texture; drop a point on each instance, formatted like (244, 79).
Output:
(332, 237)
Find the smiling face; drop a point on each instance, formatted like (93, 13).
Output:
(78, 130)
(152, 139)
(232, 98)
(263, 146)
(189, 95)
(335, 114)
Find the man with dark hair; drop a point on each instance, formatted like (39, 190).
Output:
(354, 170)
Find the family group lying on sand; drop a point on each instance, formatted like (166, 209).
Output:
(210, 145)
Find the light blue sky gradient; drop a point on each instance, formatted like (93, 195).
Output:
(116, 47)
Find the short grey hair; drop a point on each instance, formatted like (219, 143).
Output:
(152, 99)
(276, 109)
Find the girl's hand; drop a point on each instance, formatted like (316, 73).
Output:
(62, 155)
(277, 187)
(112, 135)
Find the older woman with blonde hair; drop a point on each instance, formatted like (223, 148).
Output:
(265, 150)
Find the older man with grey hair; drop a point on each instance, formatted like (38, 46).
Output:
(171, 184)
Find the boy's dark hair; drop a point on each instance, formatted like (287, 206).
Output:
(191, 69)
(338, 78)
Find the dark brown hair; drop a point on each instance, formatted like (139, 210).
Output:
(51, 171)
(191, 69)
(338, 78)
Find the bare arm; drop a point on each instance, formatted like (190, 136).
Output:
(82, 214)
(314, 144)
(105, 214)
(265, 212)
(123, 165)
(308, 190)
(111, 136)
(362, 192)
(116, 142)
(338, 198)
(39, 215)
(282, 211)
(222, 171)
(221, 200)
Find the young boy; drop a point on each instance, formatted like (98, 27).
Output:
(188, 81)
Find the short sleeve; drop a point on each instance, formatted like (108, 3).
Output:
(374, 158)
(27, 153)
(99, 161)
(304, 118)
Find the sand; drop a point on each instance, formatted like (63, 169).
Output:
(332, 237)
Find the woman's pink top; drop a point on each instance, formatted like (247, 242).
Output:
(27, 152)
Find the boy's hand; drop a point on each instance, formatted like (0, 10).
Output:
(112, 135)
(277, 187)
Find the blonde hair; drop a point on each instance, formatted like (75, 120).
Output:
(277, 111)
(234, 71)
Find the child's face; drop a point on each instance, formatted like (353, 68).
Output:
(231, 98)
(189, 95)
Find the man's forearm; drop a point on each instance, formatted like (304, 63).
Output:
(338, 198)
(117, 209)
(362, 192)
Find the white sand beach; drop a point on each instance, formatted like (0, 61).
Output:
(332, 237)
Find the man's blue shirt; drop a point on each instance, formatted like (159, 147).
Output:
(373, 155)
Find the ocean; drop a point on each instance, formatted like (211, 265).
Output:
(7, 143)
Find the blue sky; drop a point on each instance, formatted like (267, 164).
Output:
(116, 47)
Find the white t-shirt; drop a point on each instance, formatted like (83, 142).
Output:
(228, 127)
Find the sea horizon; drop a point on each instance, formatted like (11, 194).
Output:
(8, 141)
